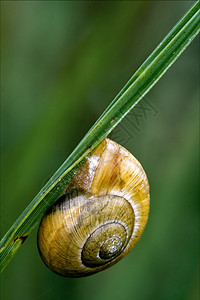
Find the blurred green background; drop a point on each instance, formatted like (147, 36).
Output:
(62, 64)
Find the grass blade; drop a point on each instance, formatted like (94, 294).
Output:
(136, 88)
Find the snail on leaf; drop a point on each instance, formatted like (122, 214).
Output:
(100, 216)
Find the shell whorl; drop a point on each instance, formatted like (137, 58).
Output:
(100, 217)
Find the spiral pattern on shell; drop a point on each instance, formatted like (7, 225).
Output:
(100, 217)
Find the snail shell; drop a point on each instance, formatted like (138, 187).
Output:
(100, 217)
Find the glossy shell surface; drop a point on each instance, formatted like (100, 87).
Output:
(100, 217)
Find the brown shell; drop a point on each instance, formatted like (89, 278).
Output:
(101, 216)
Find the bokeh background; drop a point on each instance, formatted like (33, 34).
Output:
(62, 64)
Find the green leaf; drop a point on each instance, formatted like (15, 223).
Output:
(136, 88)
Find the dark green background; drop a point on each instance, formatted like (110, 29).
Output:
(62, 64)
